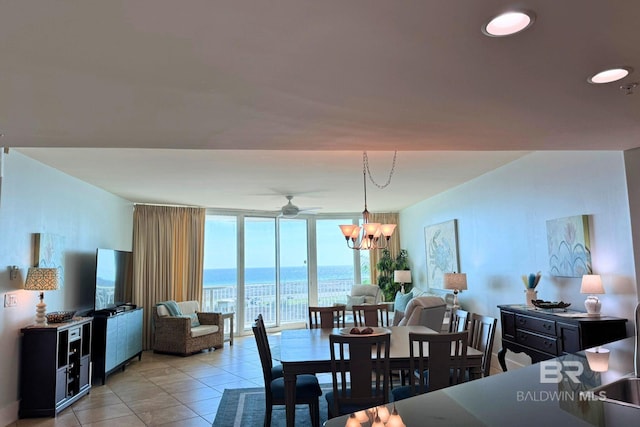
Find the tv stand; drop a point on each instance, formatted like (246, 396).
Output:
(117, 338)
(105, 312)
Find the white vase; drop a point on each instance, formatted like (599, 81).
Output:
(531, 294)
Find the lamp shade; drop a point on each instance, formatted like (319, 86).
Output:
(598, 359)
(41, 279)
(456, 281)
(387, 229)
(591, 284)
(402, 276)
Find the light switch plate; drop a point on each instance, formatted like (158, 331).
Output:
(10, 300)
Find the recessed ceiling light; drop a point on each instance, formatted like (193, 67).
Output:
(610, 75)
(508, 23)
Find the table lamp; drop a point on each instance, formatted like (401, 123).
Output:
(457, 282)
(592, 284)
(402, 277)
(41, 279)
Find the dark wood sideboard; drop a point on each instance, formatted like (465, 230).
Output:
(544, 334)
(54, 366)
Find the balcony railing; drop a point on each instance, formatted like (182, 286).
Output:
(261, 299)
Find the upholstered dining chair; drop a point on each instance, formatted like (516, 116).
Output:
(459, 320)
(307, 387)
(435, 361)
(327, 317)
(371, 315)
(361, 385)
(482, 330)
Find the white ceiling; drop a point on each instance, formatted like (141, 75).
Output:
(209, 83)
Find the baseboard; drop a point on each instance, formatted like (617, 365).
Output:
(9, 414)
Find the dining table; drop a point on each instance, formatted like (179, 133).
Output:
(306, 351)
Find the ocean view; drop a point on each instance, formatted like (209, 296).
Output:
(227, 276)
(220, 291)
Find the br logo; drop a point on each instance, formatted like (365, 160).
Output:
(553, 371)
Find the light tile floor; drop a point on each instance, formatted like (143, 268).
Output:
(165, 390)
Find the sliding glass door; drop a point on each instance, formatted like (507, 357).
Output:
(293, 270)
(277, 267)
(260, 270)
(276, 282)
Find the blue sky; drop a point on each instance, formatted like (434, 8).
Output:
(221, 241)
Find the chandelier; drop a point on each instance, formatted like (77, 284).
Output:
(372, 235)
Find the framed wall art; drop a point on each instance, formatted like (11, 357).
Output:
(49, 253)
(441, 244)
(569, 249)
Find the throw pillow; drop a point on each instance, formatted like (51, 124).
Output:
(369, 299)
(402, 300)
(397, 317)
(351, 301)
(194, 319)
(172, 307)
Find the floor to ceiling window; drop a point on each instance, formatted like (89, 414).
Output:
(337, 267)
(293, 270)
(277, 267)
(260, 285)
(220, 276)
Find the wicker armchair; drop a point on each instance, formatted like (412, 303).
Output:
(176, 334)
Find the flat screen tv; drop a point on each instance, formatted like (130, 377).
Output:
(114, 278)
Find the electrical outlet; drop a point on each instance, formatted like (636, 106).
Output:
(10, 300)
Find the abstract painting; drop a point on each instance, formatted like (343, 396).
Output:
(568, 243)
(49, 253)
(441, 241)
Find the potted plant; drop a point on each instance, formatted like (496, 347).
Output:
(386, 266)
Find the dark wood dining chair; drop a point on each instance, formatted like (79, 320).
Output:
(307, 387)
(459, 320)
(371, 315)
(482, 330)
(327, 317)
(435, 361)
(360, 373)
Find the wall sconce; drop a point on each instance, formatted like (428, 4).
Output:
(13, 272)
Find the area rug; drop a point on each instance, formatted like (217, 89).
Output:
(244, 407)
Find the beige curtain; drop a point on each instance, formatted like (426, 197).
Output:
(168, 256)
(394, 242)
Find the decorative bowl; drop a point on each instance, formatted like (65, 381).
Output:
(60, 316)
(549, 304)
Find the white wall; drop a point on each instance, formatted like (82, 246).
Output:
(38, 199)
(632, 168)
(502, 231)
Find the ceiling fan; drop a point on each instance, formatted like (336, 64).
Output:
(291, 211)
